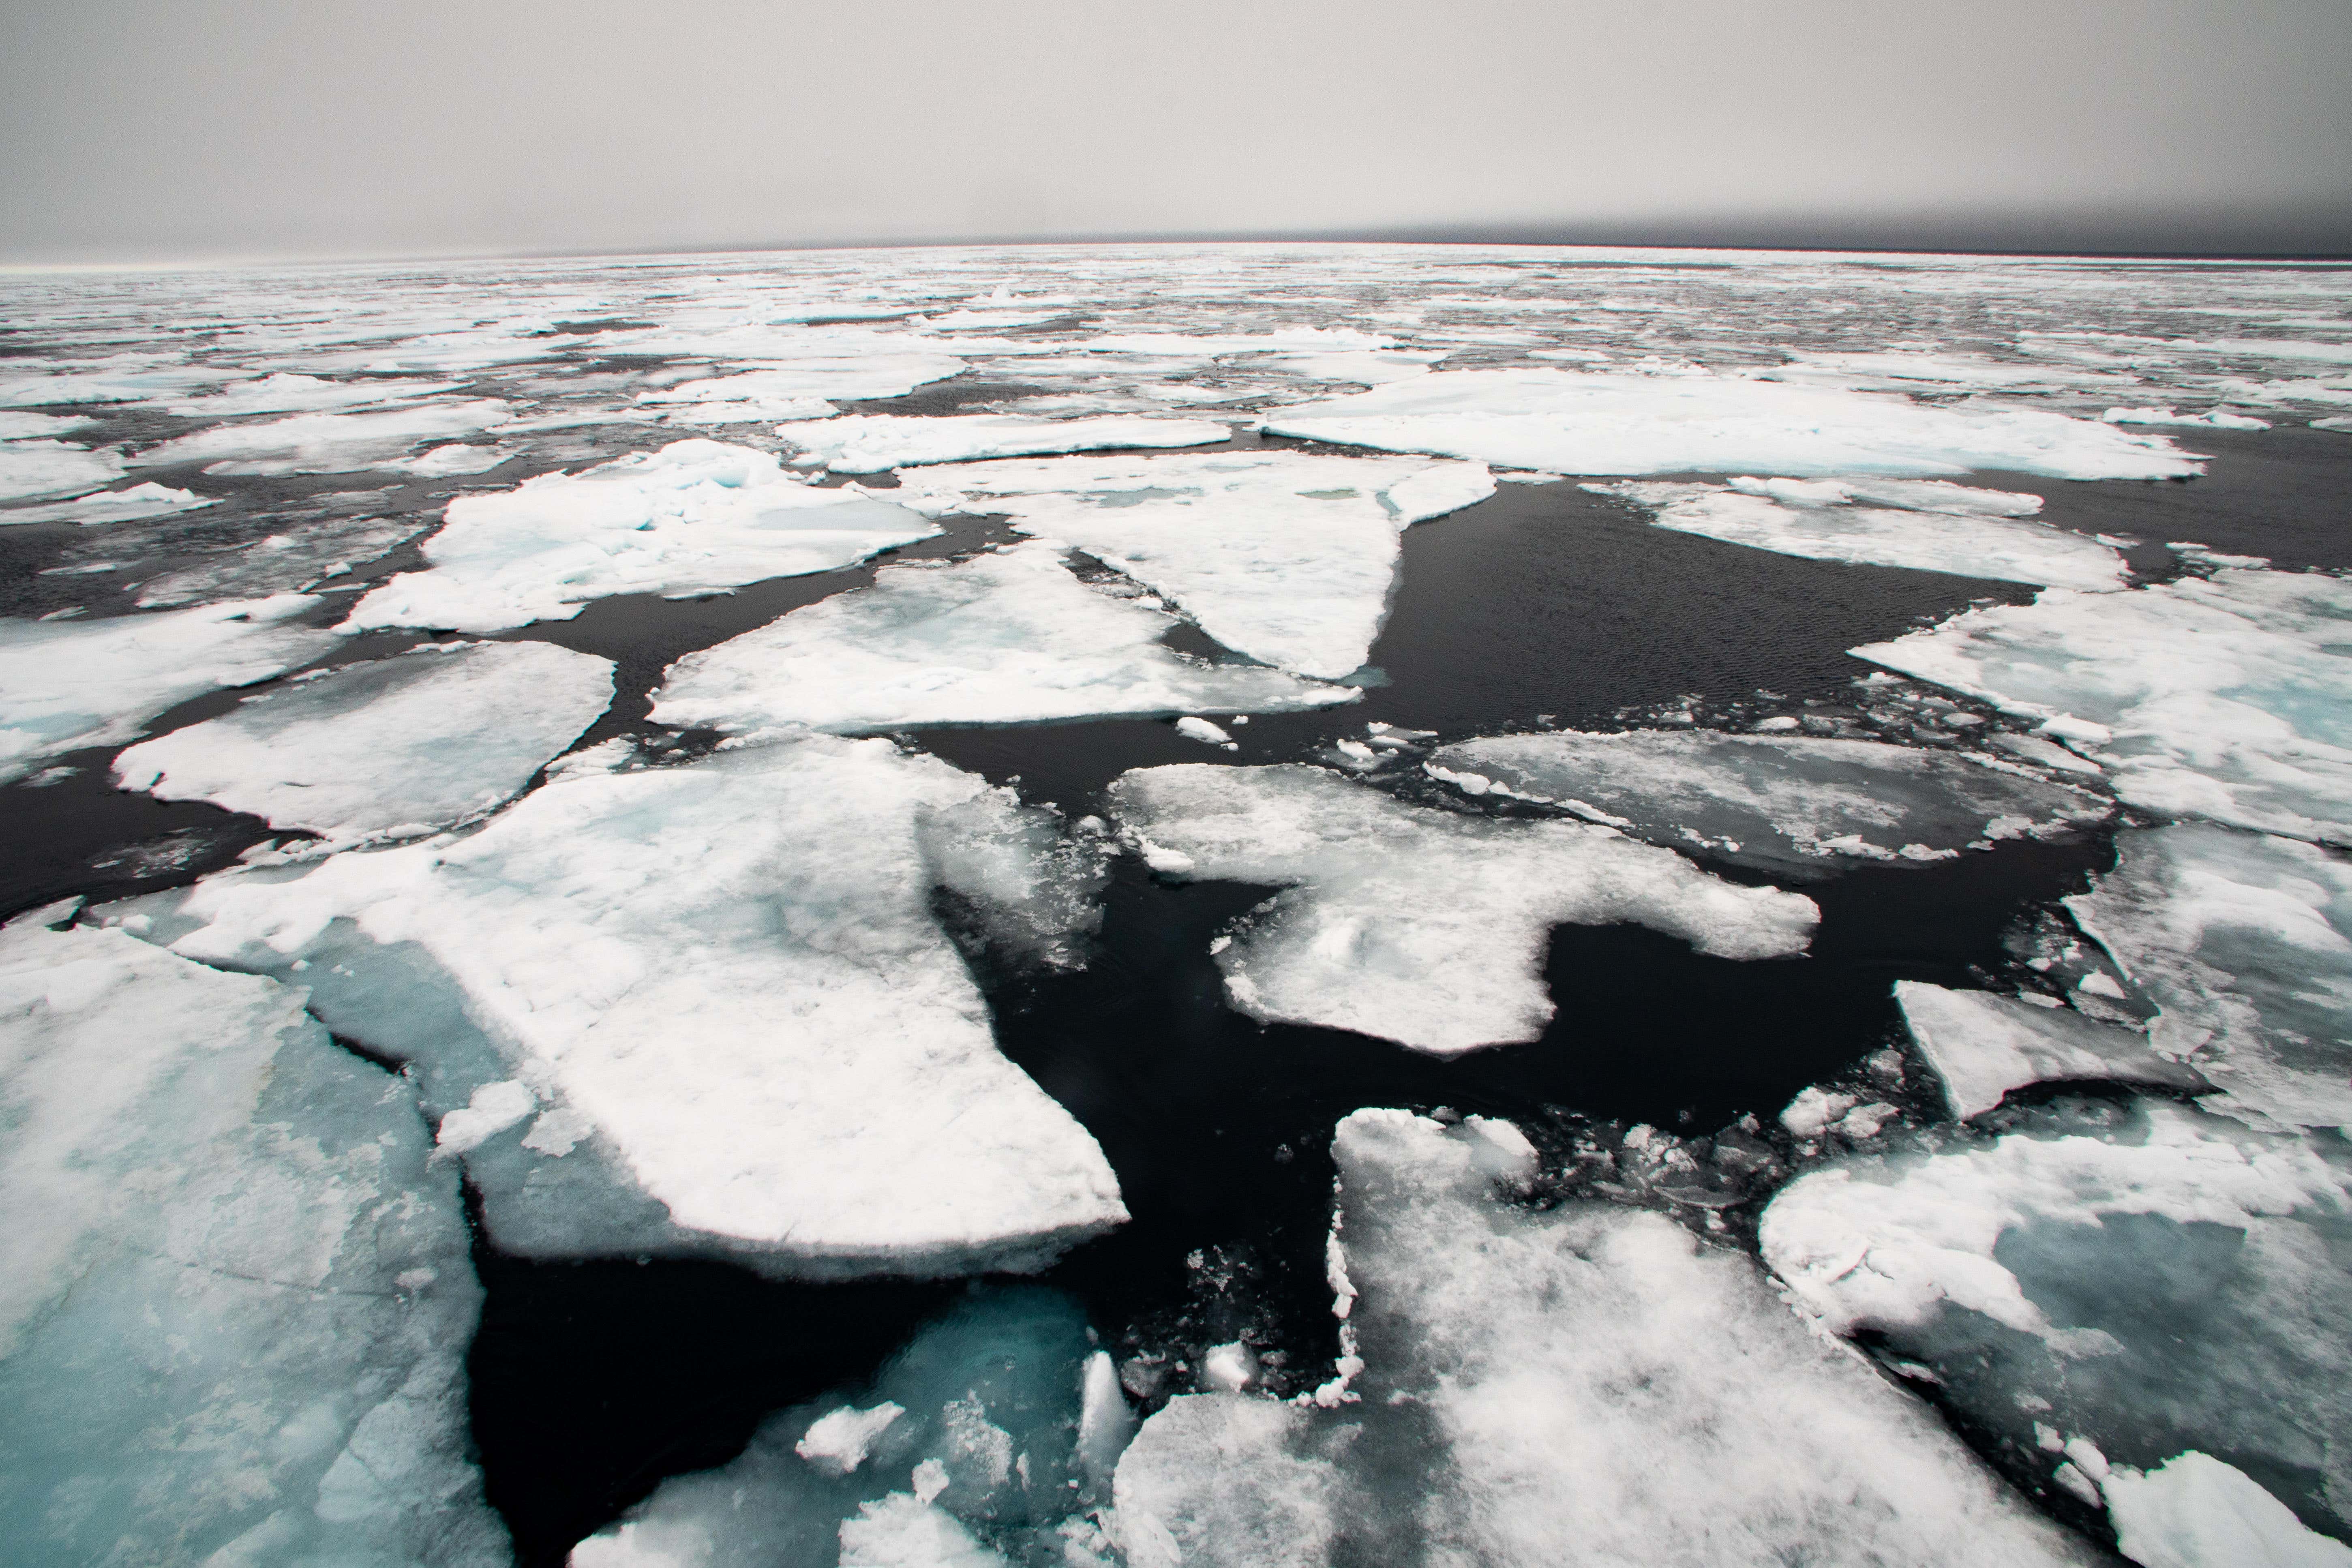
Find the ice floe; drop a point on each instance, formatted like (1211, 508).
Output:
(1287, 557)
(1008, 636)
(317, 545)
(1981, 1047)
(724, 984)
(393, 748)
(74, 683)
(803, 389)
(2195, 1511)
(2213, 418)
(283, 394)
(1604, 422)
(1424, 927)
(234, 1323)
(326, 443)
(869, 443)
(695, 517)
(132, 504)
(1786, 803)
(33, 469)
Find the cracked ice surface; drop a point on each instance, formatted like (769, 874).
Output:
(724, 984)
(393, 748)
(870, 442)
(1981, 1046)
(238, 1295)
(1008, 636)
(2222, 697)
(1287, 557)
(695, 517)
(1603, 422)
(32, 469)
(1789, 805)
(69, 684)
(1419, 926)
(327, 443)
(1505, 1348)
(1922, 524)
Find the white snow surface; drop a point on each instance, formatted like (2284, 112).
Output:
(2196, 1511)
(69, 684)
(695, 517)
(1007, 636)
(132, 504)
(1607, 422)
(327, 443)
(1415, 925)
(391, 748)
(1981, 1047)
(870, 442)
(30, 469)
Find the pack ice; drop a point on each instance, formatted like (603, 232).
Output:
(1585, 1383)
(330, 442)
(133, 503)
(2220, 698)
(234, 1318)
(2102, 1283)
(1424, 927)
(1287, 557)
(1788, 804)
(391, 748)
(1007, 636)
(1980, 1047)
(705, 1008)
(695, 517)
(869, 443)
(1928, 525)
(1608, 422)
(69, 684)
(803, 389)
(32, 467)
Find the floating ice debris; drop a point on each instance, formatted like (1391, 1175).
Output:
(400, 746)
(804, 389)
(1202, 730)
(121, 383)
(869, 443)
(25, 426)
(2221, 696)
(32, 469)
(1982, 1046)
(2244, 943)
(1909, 371)
(326, 443)
(1942, 530)
(233, 1321)
(128, 505)
(1008, 636)
(439, 462)
(1287, 557)
(726, 982)
(69, 684)
(1603, 422)
(1423, 927)
(2123, 1274)
(2216, 418)
(837, 1443)
(1786, 803)
(1505, 1348)
(283, 394)
(311, 551)
(693, 516)
(2195, 1511)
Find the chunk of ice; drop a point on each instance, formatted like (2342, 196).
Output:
(838, 1442)
(132, 504)
(869, 443)
(326, 443)
(2195, 1511)
(802, 389)
(31, 469)
(283, 394)
(1982, 1046)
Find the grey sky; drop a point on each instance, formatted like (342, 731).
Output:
(171, 131)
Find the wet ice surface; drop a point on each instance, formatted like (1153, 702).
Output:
(689, 1022)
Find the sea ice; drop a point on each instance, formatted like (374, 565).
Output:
(30, 469)
(68, 684)
(1008, 636)
(326, 443)
(2217, 419)
(283, 394)
(695, 517)
(1424, 927)
(1789, 804)
(313, 548)
(1606, 422)
(233, 1321)
(725, 984)
(1287, 557)
(396, 747)
(1981, 1046)
(2194, 1512)
(132, 504)
(869, 443)
(800, 390)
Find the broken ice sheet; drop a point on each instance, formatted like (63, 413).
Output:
(326, 443)
(1981, 1047)
(798, 390)
(308, 552)
(132, 504)
(724, 982)
(1419, 926)
(1787, 803)
(283, 394)
(238, 1295)
(30, 469)
(390, 748)
(1008, 636)
(695, 517)
(870, 442)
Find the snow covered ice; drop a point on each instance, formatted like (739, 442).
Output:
(800, 390)
(1007, 636)
(1798, 805)
(393, 748)
(870, 442)
(1419, 926)
(134, 503)
(1982, 1046)
(329, 443)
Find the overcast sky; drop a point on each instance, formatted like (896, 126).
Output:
(195, 129)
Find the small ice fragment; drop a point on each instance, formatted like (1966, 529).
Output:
(1229, 1368)
(494, 1108)
(1194, 728)
(837, 1443)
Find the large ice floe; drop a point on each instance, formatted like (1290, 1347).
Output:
(330, 443)
(2108, 1285)
(74, 683)
(695, 516)
(32, 469)
(2222, 697)
(705, 1008)
(1606, 422)
(233, 1321)
(1008, 636)
(1789, 804)
(1980, 1047)
(1586, 1384)
(391, 748)
(1928, 525)
(134, 503)
(869, 443)
(2243, 941)
(1285, 556)
(803, 389)
(1421, 926)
